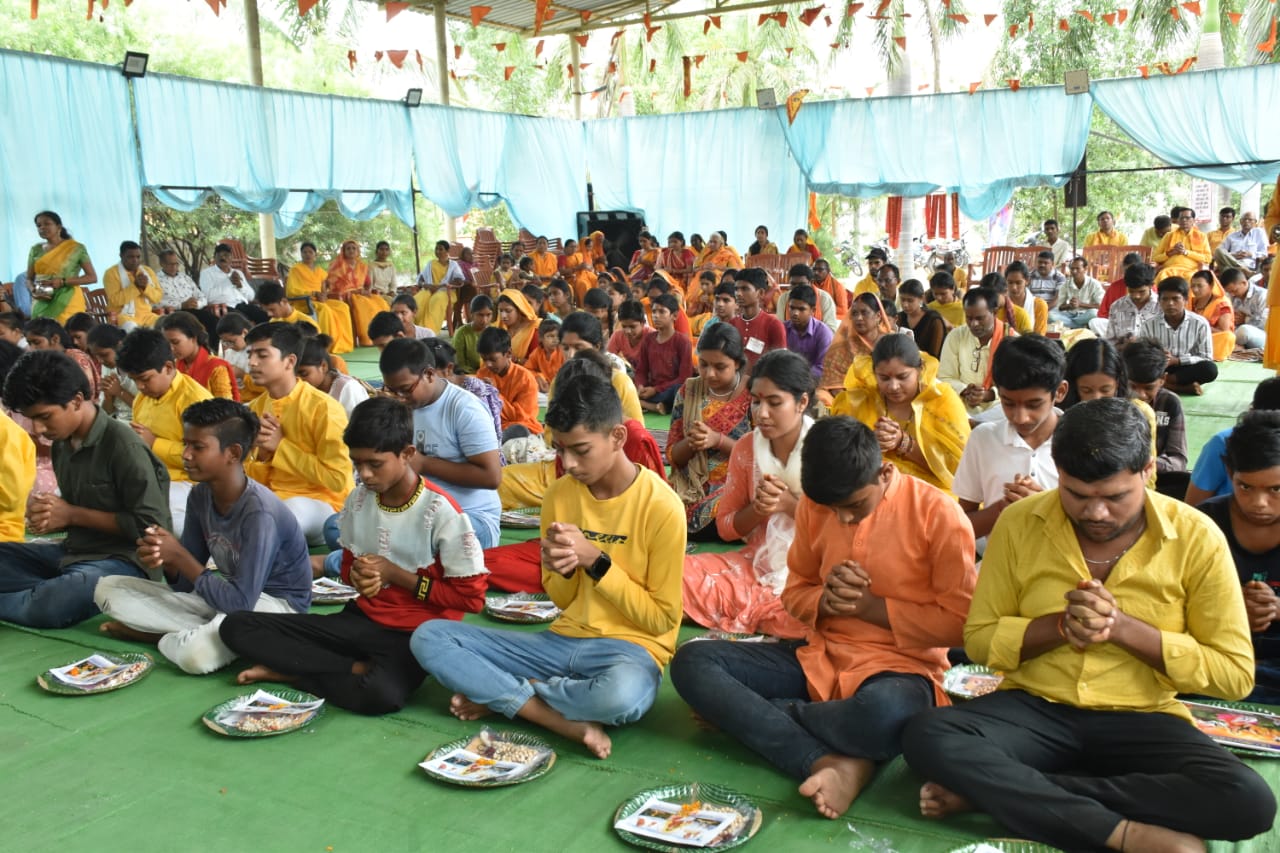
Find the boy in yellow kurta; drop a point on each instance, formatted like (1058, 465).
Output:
(146, 357)
(613, 536)
(19, 453)
(271, 297)
(132, 288)
(300, 454)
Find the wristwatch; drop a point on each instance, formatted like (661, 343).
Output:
(597, 570)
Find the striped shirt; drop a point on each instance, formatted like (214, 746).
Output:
(1125, 317)
(1189, 342)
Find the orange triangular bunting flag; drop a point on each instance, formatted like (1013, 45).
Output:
(304, 6)
(1063, 25)
(506, 72)
(901, 42)
(500, 46)
(394, 9)
(827, 19)
(1192, 7)
(1013, 31)
(1144, 71)
(870, 90)
(884, 4)
(1122, 16)
(1173, 10)
(794, 101)
(1234, 18)
(788, 50)
(780, 18)
(959, 19)
(649, 31)
(397, 57)
(742, 55)
(1163, 68)
(715, 20)
(540, 9)
(570, 67)
(853, 9)
(582, 66)
(697, 60)
(808, 16)
(457, 51)
(987, 19)
(582, 39)
(1270, 44)
(1186, 64)
(613, 68)
(1110, 18)
(537, 50)
(1015, 84)
(585, 14)
(351, 59)
(377, 56)
(653, 64)
(617, 34)
(417, 54)
(922, 87)
(213, 4)
(478, 13)
(973, 87)
(1086, 14)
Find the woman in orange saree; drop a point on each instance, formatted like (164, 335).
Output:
(1210, 301)
(677, 259)
(718, 256)
(56, 268)
(349, 283)
(309, 279)
(644, 259)
(578, 269)
(595, 250)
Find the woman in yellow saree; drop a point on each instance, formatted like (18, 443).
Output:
(919, 421)
(307, 278)
(56, 268)
(717, 256)
(856, 335)
(517, 316)
(1210, 301)
(349, 283)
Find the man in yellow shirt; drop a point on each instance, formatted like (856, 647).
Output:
(19, 452)
(613, 537)
(132, 289)
(1160, 226)
(1106, 235)
(163, 395)
(300, 454)
(1183, 250)
(876, 258)
(1100, 601)
(1226, 218)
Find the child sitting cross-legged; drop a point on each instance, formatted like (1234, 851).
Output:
(252, 537)
(547, 358)
(163, 395)
(515, 382)
(408, 549)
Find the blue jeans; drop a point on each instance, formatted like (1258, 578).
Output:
(588, 679)
(331, 532)
(35, 590)
(1266, 685)
(1076, 318)
(757, 693)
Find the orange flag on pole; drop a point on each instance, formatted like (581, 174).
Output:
(478, 13)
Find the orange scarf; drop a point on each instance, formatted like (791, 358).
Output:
(997, 335)
(345, 276)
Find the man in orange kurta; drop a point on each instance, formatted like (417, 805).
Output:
(1183, 250)
(546, 266)
(516, 384)
(881, 573)
(824, 280)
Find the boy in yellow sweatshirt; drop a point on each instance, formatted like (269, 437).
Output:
(146, 357)
(614, 572)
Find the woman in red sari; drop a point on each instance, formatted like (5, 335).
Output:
(190, 343)
(349, 283)
(645, 259)
(710, 413)
(677, 259)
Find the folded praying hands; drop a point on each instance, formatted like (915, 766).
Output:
(1090, 615)
(847, 592)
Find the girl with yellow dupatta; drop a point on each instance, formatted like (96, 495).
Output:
(54, 268)
(517, 316)
(919, 421)
(349, 283)
(856, 335)
(578, 269)
(717, 256)
(1210, 301)
(307, 278)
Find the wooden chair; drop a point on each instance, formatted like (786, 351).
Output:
(1106, 262)
(775, 266)
(96, 304)
(996, 258)
(455, 250)
(528, 241)
(263, 269)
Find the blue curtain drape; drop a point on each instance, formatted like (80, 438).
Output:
(66, 144)
(724, 170)
(470, 159)
(255, 146)
(982, 145)
(1223, 116)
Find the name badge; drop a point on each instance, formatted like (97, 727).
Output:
(755, 345)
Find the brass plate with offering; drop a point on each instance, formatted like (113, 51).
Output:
(681, 817)
(264, 714)
(525, 608)
(490, 759)
(970, 680)
(100, 672)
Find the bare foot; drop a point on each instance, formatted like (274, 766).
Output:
(1148, 838)
(596, 740)
(835, 783)
(703, 723)
(464, 709)
(121, 631)
(590, 734)
(937, 802)
(258, 673)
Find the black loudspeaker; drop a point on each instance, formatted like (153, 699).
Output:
(621, 229)
(1076, 192)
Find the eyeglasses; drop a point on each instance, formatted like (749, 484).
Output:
(405, 393)
(977, 359)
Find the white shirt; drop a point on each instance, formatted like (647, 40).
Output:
(219, 288)
(178, 289)
(1254, 241)
(1090, 292)
(1126, 318)
(1252, 307)
(994, 454)
(1192, 341)
(1061, 252)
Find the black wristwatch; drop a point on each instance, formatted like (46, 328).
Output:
(599, 568)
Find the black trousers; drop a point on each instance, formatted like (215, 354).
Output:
(1184, 374)
(1064, 776)
(319, 650)
(253, 312)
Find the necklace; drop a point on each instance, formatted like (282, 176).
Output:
(725, 396)
(1117, 557)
